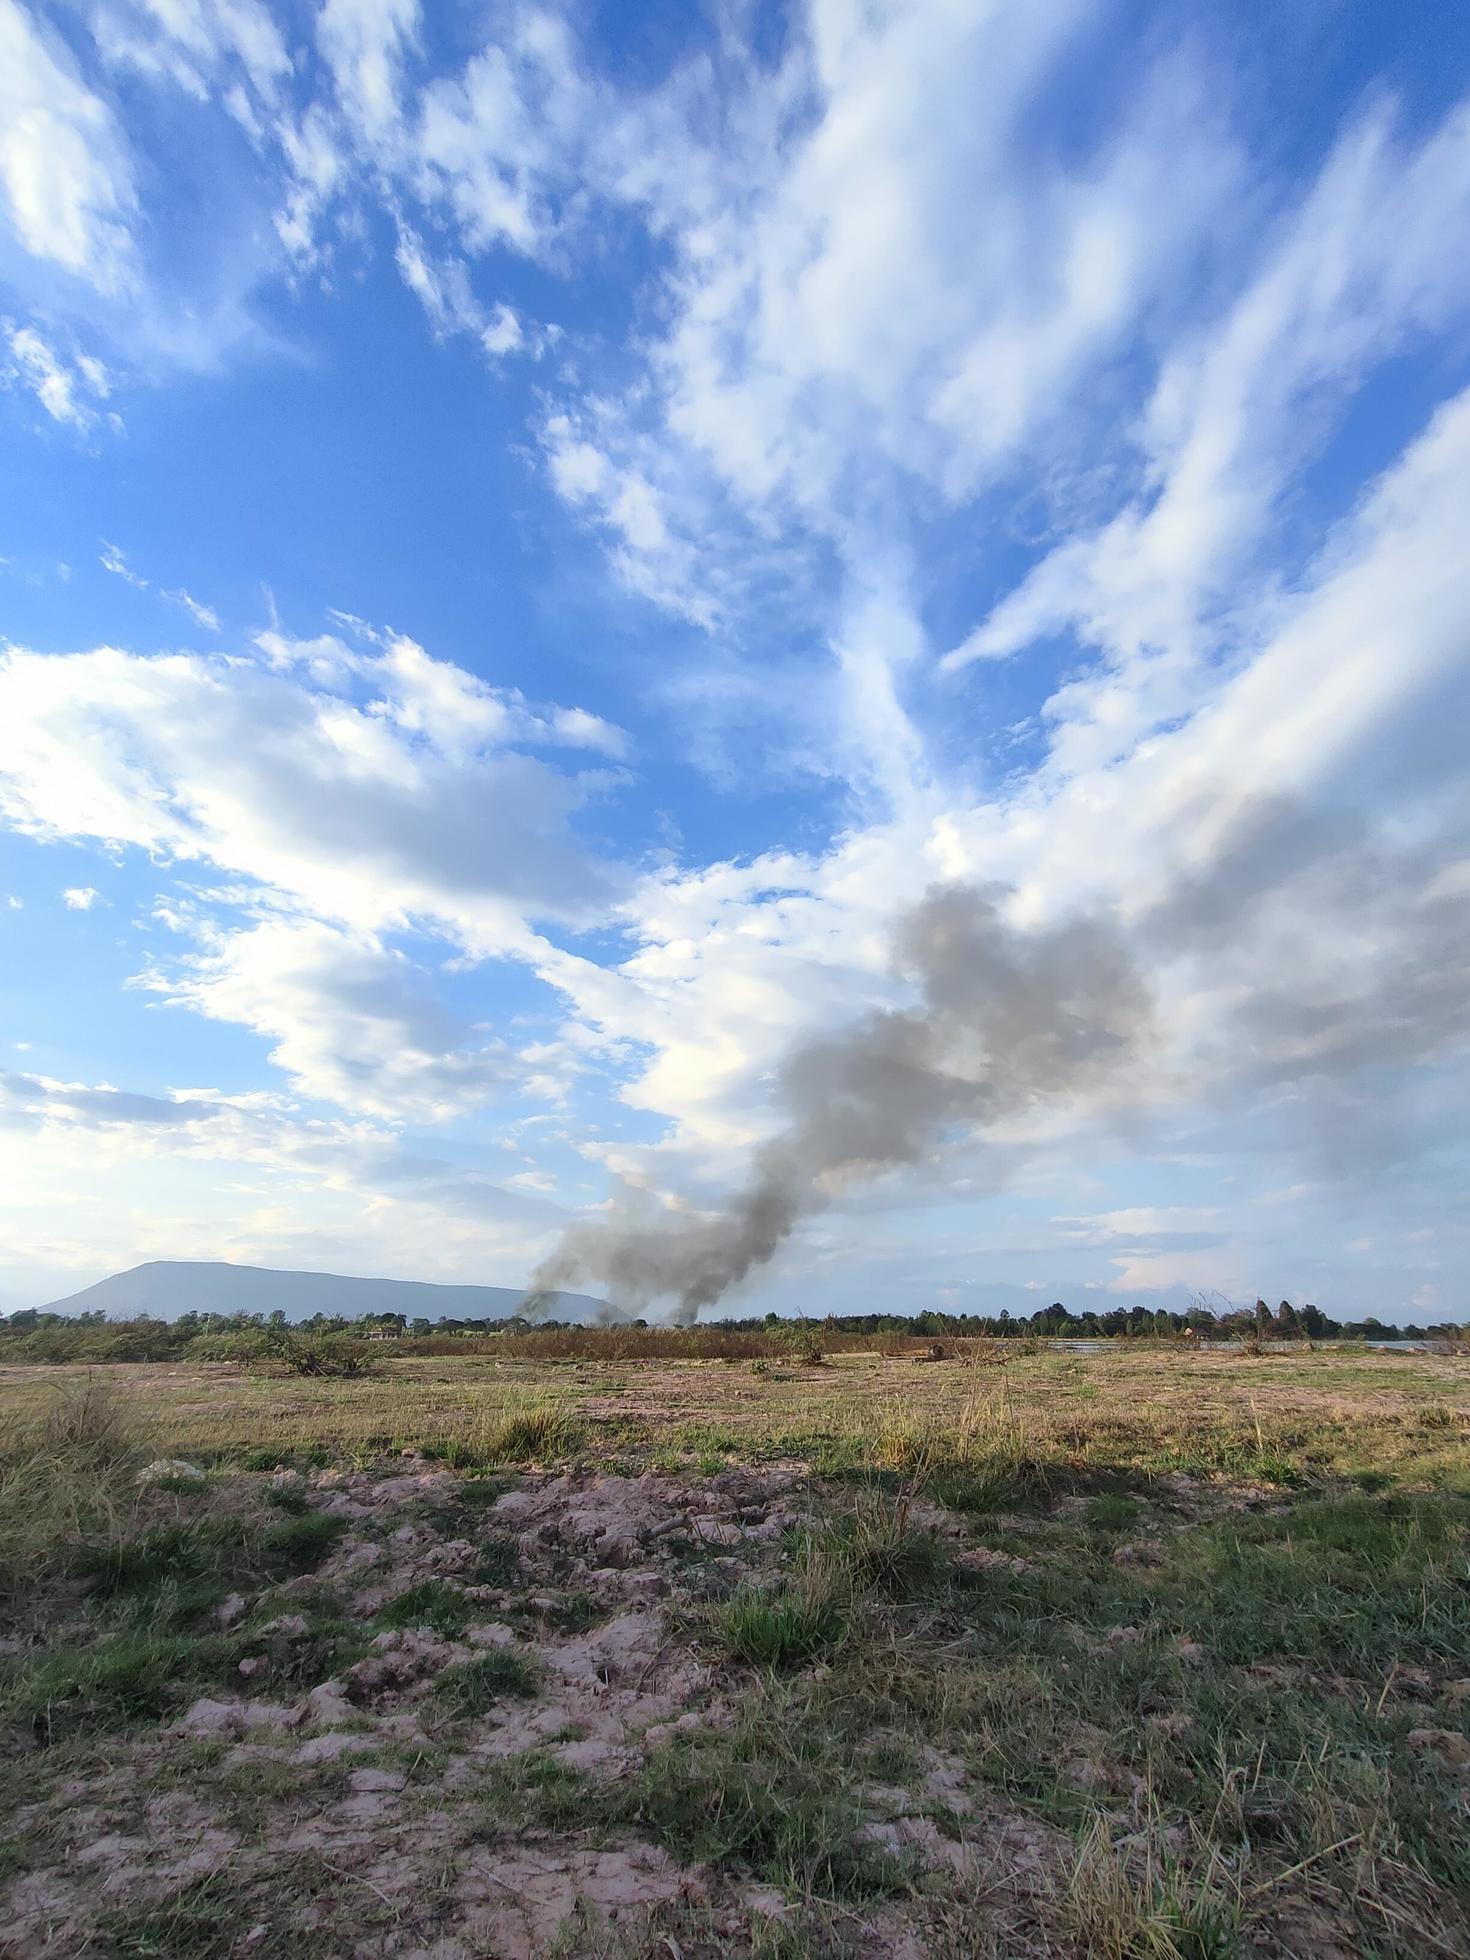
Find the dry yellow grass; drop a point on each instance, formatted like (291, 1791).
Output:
(1330, 1412)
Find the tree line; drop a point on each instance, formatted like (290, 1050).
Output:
(32, 1335)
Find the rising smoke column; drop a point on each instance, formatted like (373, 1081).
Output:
(1006, 1019)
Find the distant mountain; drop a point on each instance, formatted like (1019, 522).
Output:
(165, 1288)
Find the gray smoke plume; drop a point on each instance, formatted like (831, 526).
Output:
(1006, 1020)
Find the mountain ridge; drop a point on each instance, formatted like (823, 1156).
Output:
(166, 1288)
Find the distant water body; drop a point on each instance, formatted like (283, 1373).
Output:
(1084, 1346)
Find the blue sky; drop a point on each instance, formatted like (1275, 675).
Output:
(531, 538)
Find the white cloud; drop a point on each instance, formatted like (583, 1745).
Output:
(373, 790)
(67, 389)
(202, 615)
(494, 142)
(251, 1178)
(1285, 864)
(196, 45)
(353, 1022)
(80, 898)
(878, 268)
(443, 287)
(65, 174)
(1356, 271)
(365, 43)
(113, 560)
(502, 332)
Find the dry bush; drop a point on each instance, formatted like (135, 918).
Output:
(793, 1340)
(279, 1350)
(603, 1344)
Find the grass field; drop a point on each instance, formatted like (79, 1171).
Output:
(1148, 1651)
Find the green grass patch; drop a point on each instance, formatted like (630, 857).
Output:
(472, 1687)
(1112, 1512)
(772, 1796)
(780, 1627)
(126, 1677)
(497, 1562)
(432, 1603)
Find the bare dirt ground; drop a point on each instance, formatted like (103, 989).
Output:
(759, 1666)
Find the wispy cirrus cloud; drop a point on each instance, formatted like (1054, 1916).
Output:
(71, 388)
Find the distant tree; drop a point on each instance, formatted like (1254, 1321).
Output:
(1286, 1321)
(1263, 1319)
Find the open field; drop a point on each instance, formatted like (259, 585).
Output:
(1152, 1651)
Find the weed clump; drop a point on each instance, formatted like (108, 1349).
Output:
(875, 1549)
(802, 1343)
(67, 1479)
(432, 1603)
(781, 1627)
(128, 1677)
(773, 1795)
(471, 1687)
(528, 1430)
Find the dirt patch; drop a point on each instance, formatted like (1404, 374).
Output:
(517, 1899)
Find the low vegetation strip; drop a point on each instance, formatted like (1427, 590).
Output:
(332, 1345)
(1126, 1654)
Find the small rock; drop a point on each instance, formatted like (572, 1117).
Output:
(642, 1585)
(208, 1717)
(715, 1531)
(766, 1900)
(335, 1744)
(1173, 1723)
(363, 1780)
(1192, 1653)
(1451, 1744)
(288, 1626)
(170, 1467)
(327, 1704)
(492, 1634)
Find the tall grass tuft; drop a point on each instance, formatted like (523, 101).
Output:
(985, 1456)
(68, 1478)
(1145, 1902)
(528, 1429)
(784, 1626)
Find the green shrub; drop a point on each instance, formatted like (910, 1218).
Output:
(337, 1355)
(298, 1545)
